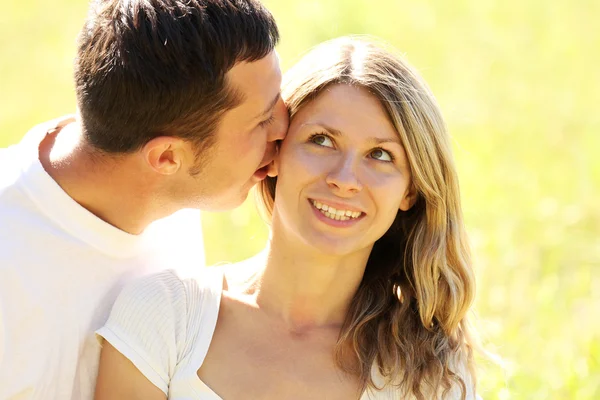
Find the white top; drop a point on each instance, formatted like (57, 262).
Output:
(61, 268)
(164, 325)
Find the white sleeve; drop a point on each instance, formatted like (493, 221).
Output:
(148, 325)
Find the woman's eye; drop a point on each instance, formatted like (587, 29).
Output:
(322, 140)
(381, 155)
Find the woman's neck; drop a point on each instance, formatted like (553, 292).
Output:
(305, 287)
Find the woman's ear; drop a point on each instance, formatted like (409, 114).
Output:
(409, 199)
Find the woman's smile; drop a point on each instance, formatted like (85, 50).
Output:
(342, 216)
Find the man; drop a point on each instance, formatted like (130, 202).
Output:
(178, 108)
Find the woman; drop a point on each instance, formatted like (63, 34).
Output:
(365, 286)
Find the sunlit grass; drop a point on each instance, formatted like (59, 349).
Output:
(519, 87)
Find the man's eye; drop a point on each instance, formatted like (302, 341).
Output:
(381, 155)
(321, 140)
(267, 122)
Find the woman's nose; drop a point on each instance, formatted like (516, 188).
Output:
(343, 179)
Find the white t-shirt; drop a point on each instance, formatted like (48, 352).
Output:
(61, 268)
(164, 324)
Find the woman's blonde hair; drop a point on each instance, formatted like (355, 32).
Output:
(409, 315)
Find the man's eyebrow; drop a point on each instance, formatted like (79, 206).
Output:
(269, 107)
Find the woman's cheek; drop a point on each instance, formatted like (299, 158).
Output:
(314, 163)
(298, 159)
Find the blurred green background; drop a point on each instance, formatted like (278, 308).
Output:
(518, 83)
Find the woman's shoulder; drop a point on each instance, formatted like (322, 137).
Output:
(150, 319)
(241, 273)
(174, 285)
(152, 316)
(170, 296)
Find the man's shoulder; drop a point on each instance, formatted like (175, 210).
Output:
(10, 167)
(13, 199)
(179, 237)
(187, 218)
(15, 158)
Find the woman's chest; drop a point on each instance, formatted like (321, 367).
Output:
(253, 361)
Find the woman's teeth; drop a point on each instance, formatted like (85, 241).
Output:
(338, 215)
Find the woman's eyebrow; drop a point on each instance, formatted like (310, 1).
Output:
(329, 129)
(378, 140)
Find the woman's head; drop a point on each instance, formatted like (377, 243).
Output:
(343, 173)
(406, 107)
(409, 314)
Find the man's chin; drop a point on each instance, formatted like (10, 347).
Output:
(227, 204)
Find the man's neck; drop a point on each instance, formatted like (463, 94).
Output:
(111, 188)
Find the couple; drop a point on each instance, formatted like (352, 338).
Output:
(363, 290)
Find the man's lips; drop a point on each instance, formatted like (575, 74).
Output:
(266, 163)
(266, 167)
(261, 173)
(271, 170)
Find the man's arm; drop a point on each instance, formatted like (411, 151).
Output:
(119, 379)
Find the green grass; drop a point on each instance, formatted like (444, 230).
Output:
(519, 87)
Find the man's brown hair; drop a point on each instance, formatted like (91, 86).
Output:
(149, 68)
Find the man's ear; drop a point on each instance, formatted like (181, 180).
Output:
(165, 154)
(409, 199)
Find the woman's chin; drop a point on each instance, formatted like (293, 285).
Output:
(336, 246)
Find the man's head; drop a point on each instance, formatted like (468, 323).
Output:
(178, 83)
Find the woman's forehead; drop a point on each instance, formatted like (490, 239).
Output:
(346, 109)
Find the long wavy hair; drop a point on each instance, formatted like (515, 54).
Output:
(408, 317)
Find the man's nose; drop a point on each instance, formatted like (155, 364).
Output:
(282, 120)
